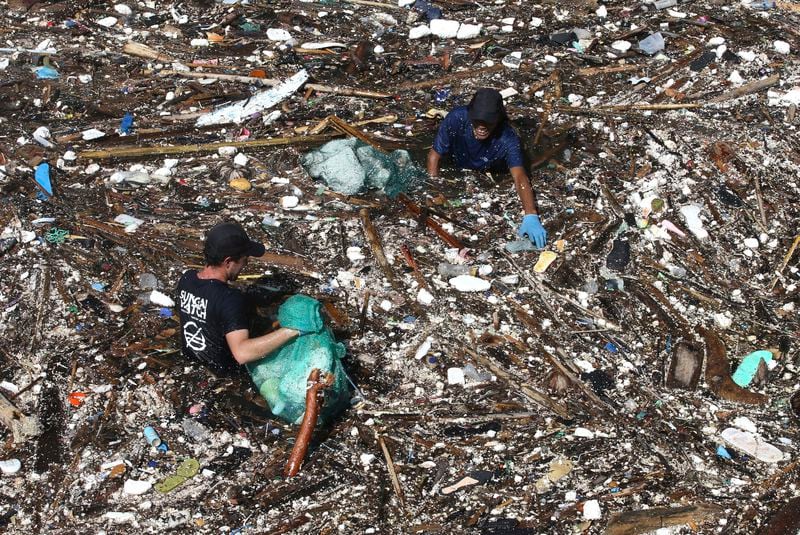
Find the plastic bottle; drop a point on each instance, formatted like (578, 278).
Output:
(664, 4)
(454, 270)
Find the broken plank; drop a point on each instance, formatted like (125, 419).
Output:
(647, 520)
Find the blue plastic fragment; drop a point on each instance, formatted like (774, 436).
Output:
(747, 369)
(165, 312)
(46, 73)
(410, 319)
(98, 286)
(163, 448)
(722, 452)
(641, 415)
(42, 177)
(126, 124)
(517, 246)
(152, 463)
(611, 348)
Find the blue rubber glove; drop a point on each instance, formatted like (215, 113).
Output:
(532, 228)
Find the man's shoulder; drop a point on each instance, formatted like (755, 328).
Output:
(459, 112)
(508, 134)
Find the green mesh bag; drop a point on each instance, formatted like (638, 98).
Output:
(282, 375)
(350, 166)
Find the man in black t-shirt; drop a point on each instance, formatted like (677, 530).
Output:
(214, 326)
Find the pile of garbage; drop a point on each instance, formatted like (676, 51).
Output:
(639, 374)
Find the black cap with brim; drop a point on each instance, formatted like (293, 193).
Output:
(230, 239)
(487, 106)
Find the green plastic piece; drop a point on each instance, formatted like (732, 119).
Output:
(747, 369)
(281, 377)
(186, 470)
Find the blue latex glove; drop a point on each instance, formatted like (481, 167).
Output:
(532, 228)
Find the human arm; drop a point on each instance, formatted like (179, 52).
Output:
(246, 349)
(531, 224)
(523, 186)
(433, 162)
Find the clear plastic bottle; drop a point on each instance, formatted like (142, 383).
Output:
(454, 270)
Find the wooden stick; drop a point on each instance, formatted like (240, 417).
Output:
(315, 387)
(377, 249)
(392, 471)
(746, 89)
(320, 88)
(362, 321)
(347, 129)
(143, 51)
(22, 426)
(217, 76)
(594, 71)
(650, 107)
(320, 127)
(133, 152)
(644, 521)
(415, 210)
(760, 200)
(530, 393)
(414, 267)
(786, 259)
(461, 75)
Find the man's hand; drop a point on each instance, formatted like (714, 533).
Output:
(532, 228)
(433, 163)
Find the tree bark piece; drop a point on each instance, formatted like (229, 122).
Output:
(21, 425)
(718, 373)
(635, 522)
(785, 521)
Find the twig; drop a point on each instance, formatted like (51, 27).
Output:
(786, 259)
(760, 200)
(392, 472)
(362, 321)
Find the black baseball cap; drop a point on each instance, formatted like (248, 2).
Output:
(486, 106)
(230, 239)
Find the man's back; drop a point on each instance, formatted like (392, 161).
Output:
(209, 309)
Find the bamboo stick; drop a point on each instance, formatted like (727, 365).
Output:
(270, 82)
(133, 152)
(746, 89)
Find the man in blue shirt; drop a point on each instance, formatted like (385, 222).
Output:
(479, 137)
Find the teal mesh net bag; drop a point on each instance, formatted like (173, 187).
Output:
(282, 375)
(350, 166)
